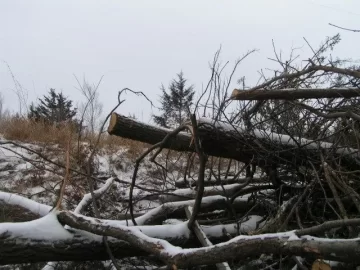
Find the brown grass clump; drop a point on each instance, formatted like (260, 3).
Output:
(25, 130)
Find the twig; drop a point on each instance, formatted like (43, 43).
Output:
(347, 29)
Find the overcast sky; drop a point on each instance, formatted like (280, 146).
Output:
(142, 44)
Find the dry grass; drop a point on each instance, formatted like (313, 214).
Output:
(25, 130)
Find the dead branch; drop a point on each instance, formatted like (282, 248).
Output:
(292, 94)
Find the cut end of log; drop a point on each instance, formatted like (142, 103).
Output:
(112, 123)
(234, 93)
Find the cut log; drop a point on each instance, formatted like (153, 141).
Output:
(131, 129)
(234, 142)
(292, 93)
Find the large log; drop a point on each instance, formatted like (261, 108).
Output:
(234, 142)
(18, 243)
(293, 93)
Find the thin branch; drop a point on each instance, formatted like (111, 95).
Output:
(347, 29)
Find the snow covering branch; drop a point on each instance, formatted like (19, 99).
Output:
(50, 241)
(86, 200)
(32, 206)
(43, 209)
(287, 243)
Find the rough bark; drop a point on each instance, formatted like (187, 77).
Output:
(16, 251)
(292, 94)
(240, 247)
(223, 140)
(87, 247)
(131, 129)
(80, 246)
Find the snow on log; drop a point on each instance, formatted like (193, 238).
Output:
(207, 203)
(293, 93)
(180, 183)
(235, 142)
(86, 200)
(152, 216)
(45, 239)
(230, 190)
(240, 247)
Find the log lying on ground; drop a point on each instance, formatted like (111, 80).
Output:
(224, 181)
(241, 247)
(292, 93)
(154, 216)
(234, 142)
(180, 183)
(229, 190)
(21, 243)
(45, 239)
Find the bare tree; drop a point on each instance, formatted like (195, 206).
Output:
(21, 93)
(90, 110)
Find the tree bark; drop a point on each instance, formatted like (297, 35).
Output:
(80, 246)
(241, 247)
(16, 251)
(292, 94)
(234, 142)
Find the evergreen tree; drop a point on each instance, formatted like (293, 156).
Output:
(175, 104)
(53, 108)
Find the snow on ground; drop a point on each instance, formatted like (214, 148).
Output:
(23, 172)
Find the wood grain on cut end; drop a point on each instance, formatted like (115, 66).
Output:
(112, 122)
(234, 93)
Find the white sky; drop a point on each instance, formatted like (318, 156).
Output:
(141, 44)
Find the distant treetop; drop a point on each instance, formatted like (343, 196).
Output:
(53, 108)
(175, 103)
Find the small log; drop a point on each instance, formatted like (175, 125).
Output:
(211, 182)
(230, 190)
(292, 94)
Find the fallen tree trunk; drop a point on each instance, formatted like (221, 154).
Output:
(21, 243)
(25, 250)
(241, 247)
(212, 182)
(293, 93)
(235, 142)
